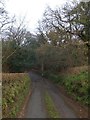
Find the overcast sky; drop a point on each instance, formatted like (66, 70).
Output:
(31, 9)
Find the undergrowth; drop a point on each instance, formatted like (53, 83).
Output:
(15, 87)
(76, 85)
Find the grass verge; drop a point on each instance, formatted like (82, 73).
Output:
(52, 112)
(76, 85)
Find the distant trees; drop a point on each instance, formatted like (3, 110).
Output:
(61, 41)
(66, 31)
(55, 58)
(73, 20)
(3, 15)
(5, 20)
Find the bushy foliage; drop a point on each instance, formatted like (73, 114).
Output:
(76, 85)
(56, 58)
(15, 87)
(61, 40)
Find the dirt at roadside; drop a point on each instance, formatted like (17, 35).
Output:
(81, 110)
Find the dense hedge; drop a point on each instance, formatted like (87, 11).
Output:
(15, 88)
(76, 85)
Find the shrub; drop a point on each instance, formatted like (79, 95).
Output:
(76, 85)
(15, 87)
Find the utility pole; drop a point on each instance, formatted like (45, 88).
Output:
(42, 69)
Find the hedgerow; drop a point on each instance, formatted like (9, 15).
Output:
(15, 87)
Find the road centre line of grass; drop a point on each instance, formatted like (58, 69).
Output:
(50, 107)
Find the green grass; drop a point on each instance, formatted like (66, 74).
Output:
(76, 85)
(52, 112)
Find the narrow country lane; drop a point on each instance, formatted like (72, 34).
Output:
(63, 108)
(36, 106)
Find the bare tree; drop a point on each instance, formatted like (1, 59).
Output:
(15, 35)
(4, 18)
(72, 20)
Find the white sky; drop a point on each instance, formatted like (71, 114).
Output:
(32, 9)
